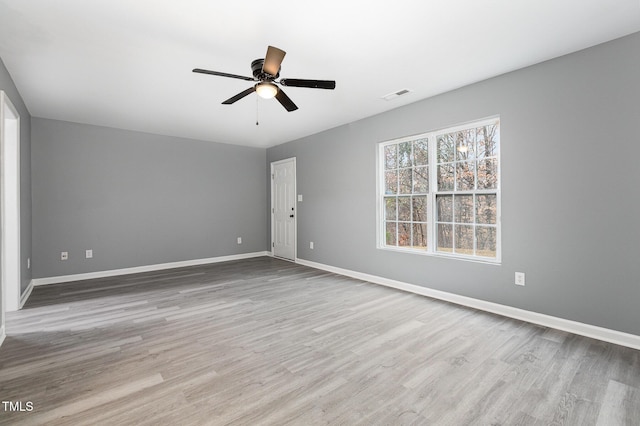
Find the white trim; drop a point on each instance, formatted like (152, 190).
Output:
(592, 331)
(26, 294)
(146, 268)
(10, 157)
(3, 335)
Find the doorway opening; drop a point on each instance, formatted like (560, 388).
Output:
(10, 199)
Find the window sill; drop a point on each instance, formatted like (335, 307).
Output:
(482, 260)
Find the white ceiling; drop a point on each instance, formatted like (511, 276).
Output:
(127, 64)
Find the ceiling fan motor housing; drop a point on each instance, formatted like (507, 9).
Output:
(256, 68)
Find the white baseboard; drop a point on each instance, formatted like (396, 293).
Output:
(26, 294)
(595, 332)
(146, 268)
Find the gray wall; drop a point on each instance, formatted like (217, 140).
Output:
(570, 146)
(7, 85)
(140, 199)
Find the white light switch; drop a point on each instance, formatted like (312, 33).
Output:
(300, 197)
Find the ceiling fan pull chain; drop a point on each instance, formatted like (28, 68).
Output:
(257, 100)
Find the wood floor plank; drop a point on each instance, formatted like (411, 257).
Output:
(96, 399)
(267, 342)
(619, 406)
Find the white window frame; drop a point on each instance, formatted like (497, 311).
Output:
(431, 250)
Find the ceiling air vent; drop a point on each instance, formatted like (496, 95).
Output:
(397, 94)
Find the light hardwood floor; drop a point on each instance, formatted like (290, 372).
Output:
(263, 341)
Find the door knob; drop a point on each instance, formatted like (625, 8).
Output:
(291, 215)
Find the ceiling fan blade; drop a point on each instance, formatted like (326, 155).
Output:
(240, 95)
(313, 84)
(273, 60)
(285, 101)
(223, 74)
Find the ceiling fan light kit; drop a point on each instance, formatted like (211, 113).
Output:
(266, 90)
(265, 72)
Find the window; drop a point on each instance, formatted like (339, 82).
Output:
(441, 192)
(406, 188)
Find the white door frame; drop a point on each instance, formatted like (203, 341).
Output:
(295, 213)
(10, 223)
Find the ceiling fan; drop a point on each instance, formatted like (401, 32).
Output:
(265, 72)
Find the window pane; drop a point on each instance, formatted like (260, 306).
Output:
(391, 234)
(390, 208)
(463, 208)
(420, 235)
(445, 238)
(404, 208)
(445, 208)
(465, 176)
(465, 145)
(464, 239)
(419, 209)
(486, 241)
(391, 183)
(404, 234)
(445, 177)
(391, 156)
(421, 152)
(421, 180)
(405, 181)
(486, 211)
(446, 147)
(488, 139)
(488, 174)
(404, 154)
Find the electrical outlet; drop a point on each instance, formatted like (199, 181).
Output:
(311, 245)
(519, 278)
(64, 255)
(88, 254)
(300, 197)
(239, 240)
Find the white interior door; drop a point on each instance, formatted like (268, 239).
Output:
(283, 208)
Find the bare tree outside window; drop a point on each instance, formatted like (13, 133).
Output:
(468, 161)
(406, 182)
